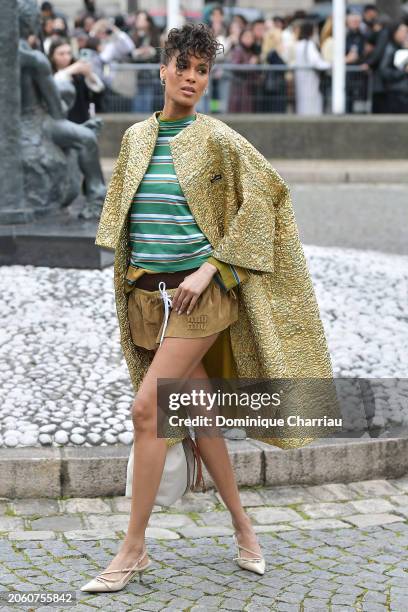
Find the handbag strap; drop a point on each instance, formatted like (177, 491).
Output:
(198, 468)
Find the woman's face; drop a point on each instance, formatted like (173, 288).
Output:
(194, 77)
(401, 35)
(235, 28)
(89, 22)
(141, 22)
(59, 24)
(62, 56)
(247, 39)
(48, 27)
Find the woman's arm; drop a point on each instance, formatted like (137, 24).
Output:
(249, 240)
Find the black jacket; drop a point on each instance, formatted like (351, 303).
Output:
(395, 79)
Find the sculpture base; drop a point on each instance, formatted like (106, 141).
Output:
(58, 240)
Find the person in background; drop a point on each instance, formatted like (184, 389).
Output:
(356, 81)
(259, 31)
(275, 85)
(80, 73)
(327, 40)
(47, 10)
(237, 24)
(240, 19)
(394, 69)
(60, 27)
(52, 27)
(259, 76)
(376, 42)
(278, 22)
(219, 85)
(289, 37)
(308, 97)
(47, 31)
(146, 39)
(243, 83)
(217, 21)
(370, 18)
(116, 45)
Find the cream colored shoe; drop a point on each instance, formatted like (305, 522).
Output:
(101, 584)
(253, 564)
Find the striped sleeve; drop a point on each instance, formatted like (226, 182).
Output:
(227, 275)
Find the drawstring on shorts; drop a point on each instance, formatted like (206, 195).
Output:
(167, 305)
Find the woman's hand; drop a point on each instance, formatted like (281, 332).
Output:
(190, 289)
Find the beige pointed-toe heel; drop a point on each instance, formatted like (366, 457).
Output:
(254, 564)
(102, 584)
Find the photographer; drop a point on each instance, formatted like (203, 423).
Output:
(116, 44)
(85, 80)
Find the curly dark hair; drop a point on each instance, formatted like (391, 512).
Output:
(192, 38)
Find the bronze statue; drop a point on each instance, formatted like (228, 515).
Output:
(56, 152)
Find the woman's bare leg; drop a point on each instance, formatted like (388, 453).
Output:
(175, 358)
(215, 455)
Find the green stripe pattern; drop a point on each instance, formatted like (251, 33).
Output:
(163, 233)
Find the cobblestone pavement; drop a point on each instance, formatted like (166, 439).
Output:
(332, 547)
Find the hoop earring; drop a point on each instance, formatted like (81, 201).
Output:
(163, 82)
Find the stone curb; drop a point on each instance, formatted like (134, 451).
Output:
(101, 471)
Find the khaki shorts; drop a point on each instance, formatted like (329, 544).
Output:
(214, 311)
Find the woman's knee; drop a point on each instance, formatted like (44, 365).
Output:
(143, 415)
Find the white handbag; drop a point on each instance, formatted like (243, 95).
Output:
(182, 472)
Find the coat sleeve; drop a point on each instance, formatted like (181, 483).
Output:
(227, 275)
(249, 239)
(106, 235)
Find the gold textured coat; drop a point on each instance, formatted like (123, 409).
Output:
(248, 218)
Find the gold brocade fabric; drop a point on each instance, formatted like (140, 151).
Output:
(248, 218)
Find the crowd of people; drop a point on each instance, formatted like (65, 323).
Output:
(285, 61)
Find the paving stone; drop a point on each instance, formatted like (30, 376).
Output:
(89, 534)
(319, 524)
(273, 515)
(89, 505)
(11, 523)
(282, 496)
(374, 488)
(199, 532)
(158, 533)
(327, 509)
(367, 520)
(113, 522)
(61, 522)
(268, 528)
(170, 520)
(372, 506)
(122, 504)
(332, 492)
(400, 483)
(32, 535)
(41, 506)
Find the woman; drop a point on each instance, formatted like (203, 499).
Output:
(309, 99)
(275, 85)
(80, 72)
(145, 36)
(394, 69)
(244, 83)
(248, 287)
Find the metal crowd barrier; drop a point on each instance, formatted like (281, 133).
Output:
(260, 88)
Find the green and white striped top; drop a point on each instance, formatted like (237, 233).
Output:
(163, 233)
